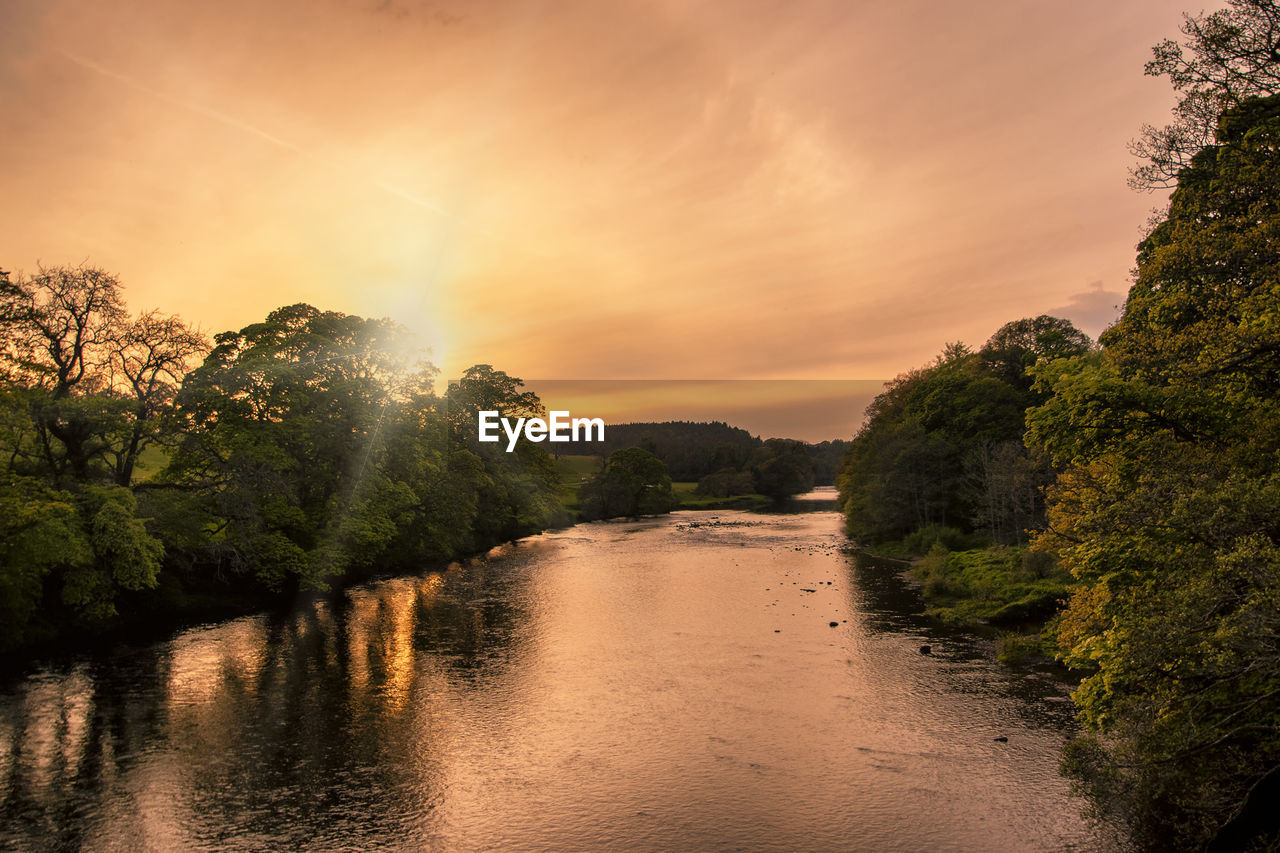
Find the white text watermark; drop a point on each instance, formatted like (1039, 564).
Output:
(560, 427)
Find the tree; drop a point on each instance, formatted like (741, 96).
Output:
(481, 388)
(285, 430)
(148, 362)
(1229, 56)
(1009, 484)
(634, 482)
(943, 444)
(84, 390)
(1167, 511)
(60, 327)
(40, 531)
(518, 490)
(1019, 345)
(782, 469)
(317, 452)
(96, 382)
(725, 483)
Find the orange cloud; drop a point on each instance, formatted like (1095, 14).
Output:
(815, 190)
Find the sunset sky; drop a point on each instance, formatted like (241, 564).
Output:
(659, 190)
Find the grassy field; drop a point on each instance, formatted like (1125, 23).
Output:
(998, 585)
(150, 463)
(573, 468)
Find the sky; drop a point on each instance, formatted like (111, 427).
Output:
(813, 189)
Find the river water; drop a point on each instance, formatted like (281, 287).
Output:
(665, 684)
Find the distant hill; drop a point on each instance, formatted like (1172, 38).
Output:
(692, 450)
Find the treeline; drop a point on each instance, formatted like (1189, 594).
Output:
(778, 468)
(1149, 469)
(694, 450)
(1167, 510)
(690, 450)
(942, 451)
(302, 452)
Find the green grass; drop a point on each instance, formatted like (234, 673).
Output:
(150, 462)
(573, 468)
(996, 586)
(922, 540)
(689, 499)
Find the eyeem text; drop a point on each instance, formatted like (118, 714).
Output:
(560, 427)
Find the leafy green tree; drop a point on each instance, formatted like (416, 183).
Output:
(1167, 515)
(726, 482)
(285, 434)
(84, 391)
(97, 383)
(634, 482)
(1018, 346)
(481, 388)
(40, 531)
(942, 445)
(827, 457)
(317, 452)
(1008, 485)
(125, 555)
(518, 489)
(899, 478)
(782, 469)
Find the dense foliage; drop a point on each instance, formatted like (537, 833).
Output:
(782, 468)
(942, 446)
(778, 469)
(727, 458)
(306, 450)
(634, 482)
(1168, 512)
(1158, 459)
(85, 390)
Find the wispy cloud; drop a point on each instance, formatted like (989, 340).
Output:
(821, 188)
(241, 125)
(182, 103)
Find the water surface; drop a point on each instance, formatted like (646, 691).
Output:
(666, 684)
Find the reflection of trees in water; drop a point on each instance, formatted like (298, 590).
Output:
(71, 736)
(890, 602)
(331, 720)
(891, 605)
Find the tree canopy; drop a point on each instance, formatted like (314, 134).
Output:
(85, 390)
(634, 482)
(942, 445)
(306, 450)
(1166, 512)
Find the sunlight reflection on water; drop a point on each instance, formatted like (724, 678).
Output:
(646, 685)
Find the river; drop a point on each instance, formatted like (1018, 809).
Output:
(662, 684)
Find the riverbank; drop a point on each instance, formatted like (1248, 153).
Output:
(1010, 592)
(184, 600)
